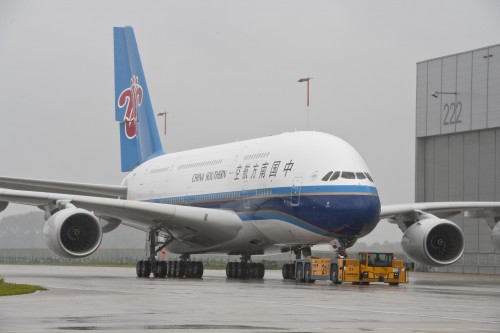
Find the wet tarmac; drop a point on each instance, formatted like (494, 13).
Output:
(114, 300)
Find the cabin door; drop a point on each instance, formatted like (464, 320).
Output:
(295, 193)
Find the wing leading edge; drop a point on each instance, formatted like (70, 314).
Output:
(197, 226)
(37, 185)
(406, 214)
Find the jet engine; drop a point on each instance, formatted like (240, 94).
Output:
(495, 236)
(72, 233)
(433, 242)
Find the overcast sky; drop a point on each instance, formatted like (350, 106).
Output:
(225, 71)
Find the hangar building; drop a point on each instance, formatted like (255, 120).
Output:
(458, 143)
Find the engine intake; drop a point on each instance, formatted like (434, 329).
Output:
(433, 242)
(72, 233)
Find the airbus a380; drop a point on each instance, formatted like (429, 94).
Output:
(282, 193)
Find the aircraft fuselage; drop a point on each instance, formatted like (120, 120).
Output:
(277, 185)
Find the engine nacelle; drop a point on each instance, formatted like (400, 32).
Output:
(3, 205)
(495, 236)
(433, 242)
(72, 233)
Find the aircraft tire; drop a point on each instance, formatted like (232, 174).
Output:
(285, 271)
(292, 271)
(229, 270)
(308, 273)
(242, 270)
(138, 269)
(174, 268)
(181, 269)
(189, 269)
(145, 268)
(236, 269)
(299, 273)
(169, 268)
(261, 270)
(162, 269)
(198, 270)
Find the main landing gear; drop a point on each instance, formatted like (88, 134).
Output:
(245, 269)
(182, 268)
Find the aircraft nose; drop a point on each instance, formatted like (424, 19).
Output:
(353, 215)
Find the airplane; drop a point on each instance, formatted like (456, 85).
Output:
(282, 193)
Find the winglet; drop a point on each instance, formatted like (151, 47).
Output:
(139, 138)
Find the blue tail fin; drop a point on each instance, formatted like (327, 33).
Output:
(139, 138)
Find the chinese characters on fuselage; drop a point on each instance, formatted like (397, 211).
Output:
(247, 171)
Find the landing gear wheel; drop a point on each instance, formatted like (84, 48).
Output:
(292, 271)
(138, 269)
(308, 274)
(161, 269)
(242, 270)
(229, 270)
(145, 268)
(198, 270)
(236, 270)
(169, 268)
(181, 268)
(189, 269)
(261, 270)
(299, 273)
(174, 268)
(285, 271)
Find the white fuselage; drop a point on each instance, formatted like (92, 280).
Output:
(276, 184)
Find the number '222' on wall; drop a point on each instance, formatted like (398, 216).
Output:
(453, 112)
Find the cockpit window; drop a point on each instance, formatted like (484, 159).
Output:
(348, 175)
(327, 176)
(336, 175)
(360, 175)
(368, 176)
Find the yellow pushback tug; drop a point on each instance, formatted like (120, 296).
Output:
(368, 267)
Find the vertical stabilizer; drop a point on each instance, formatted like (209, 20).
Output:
(139, 138)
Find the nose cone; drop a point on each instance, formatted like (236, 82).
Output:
(355, 215)
(344, 215)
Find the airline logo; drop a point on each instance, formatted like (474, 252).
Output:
(132, 97)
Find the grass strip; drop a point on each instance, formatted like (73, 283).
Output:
(10, 289)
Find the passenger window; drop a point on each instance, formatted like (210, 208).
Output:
(360, 175)
(348, 175)
(336, 175)
(327, 176)
(368, 176)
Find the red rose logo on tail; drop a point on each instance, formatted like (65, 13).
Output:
(133, 98)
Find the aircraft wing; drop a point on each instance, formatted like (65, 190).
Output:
(98, 190)
(406, 214)
(200, 226)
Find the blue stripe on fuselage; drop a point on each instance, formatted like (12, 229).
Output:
(333, 211)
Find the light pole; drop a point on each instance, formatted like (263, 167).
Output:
(307, 79)
(165, 124)
(164, 114)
